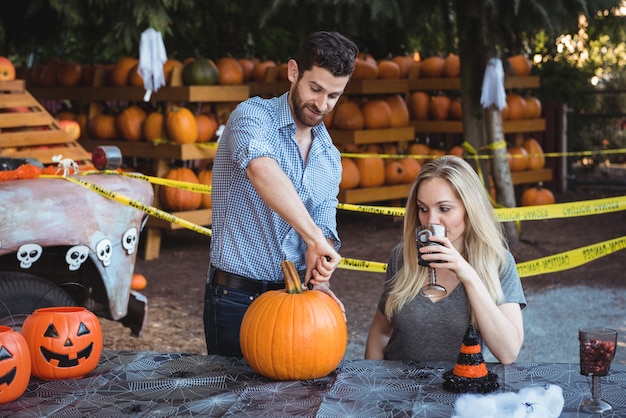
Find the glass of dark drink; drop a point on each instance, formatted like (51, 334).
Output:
(422, 236)
(597, 350)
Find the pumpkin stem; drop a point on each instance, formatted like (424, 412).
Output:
(292, 280)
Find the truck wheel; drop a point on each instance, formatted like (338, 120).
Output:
(21, 294)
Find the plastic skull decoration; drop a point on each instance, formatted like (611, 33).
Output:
(104, 251)
(129, 240)
(27, 254)
(76, 256)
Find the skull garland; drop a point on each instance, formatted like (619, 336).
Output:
(76, 256)
(27, 254)
(104, 251)
(129, 240)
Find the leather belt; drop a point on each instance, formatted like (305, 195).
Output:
(237, 282)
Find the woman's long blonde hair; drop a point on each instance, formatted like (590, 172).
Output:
(484, 244)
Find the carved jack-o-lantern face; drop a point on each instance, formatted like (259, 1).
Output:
(65, 342)
(14, 364)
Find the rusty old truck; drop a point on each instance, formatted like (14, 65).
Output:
(62, 243)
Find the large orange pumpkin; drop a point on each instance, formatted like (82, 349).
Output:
(69, 74)
(348, 116)
(206, 177)
(371, 171)
(538, 195)
(532, 110)
(411, 167)
(405, 62)
(536, 159)
(247, 64)
(103, 126)
(365, 69)
(230, 71)
(451, 66)
(520, 65)
(431, 67)
(376, 114)
(169, 67)
(419, 105)
(350, 177)
(388, 70)
(152, 128)
(420, 149)
(455, 112)
(399, 111)
(518, 158)
(516, 107)
(181, 126)
(261, 68)
(15, 364)
(394, 172)
(293, 334)
(134, 78)
(129, 123)
(64, 342)
(207, 127)
(119, 75)
(177, 199)
(440, 107)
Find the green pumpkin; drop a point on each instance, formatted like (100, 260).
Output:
(200, 72)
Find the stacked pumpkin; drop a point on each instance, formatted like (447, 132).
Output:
(377, 171)
(423, 106)
(380, 112)
(178, 125)
(397, 67)
(178, 197)
(519, 107)
(528, 156)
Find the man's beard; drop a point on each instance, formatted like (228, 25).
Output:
(299, 109)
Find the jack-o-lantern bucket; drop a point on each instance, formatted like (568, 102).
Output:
(14, 364)
(64, 342)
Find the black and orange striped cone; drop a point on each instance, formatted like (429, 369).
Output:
(470, 374)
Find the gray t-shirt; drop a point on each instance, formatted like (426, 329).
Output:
(427, 331)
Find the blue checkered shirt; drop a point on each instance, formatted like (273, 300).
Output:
(249, 238)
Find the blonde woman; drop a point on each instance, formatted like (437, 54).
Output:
(473, 264)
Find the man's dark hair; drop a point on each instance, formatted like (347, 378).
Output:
(329, 50)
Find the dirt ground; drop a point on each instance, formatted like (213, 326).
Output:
(176, 279)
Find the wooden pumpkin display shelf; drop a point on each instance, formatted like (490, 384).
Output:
(161, 155)
(395, 192)
(27, 130)
(516, 127)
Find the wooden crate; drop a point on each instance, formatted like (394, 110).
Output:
(27, 130)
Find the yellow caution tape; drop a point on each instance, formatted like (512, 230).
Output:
(377, 210)
(192, 187)
(361, 265)
(558, 262)
(551, 264)
(570, 259)
(524, 213)
(562, 210)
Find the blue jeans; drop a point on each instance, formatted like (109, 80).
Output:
(223, 312)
